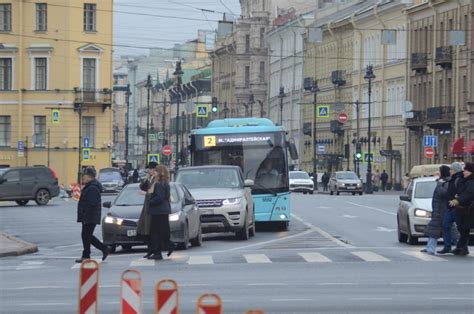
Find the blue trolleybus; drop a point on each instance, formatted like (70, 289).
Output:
(261, 149)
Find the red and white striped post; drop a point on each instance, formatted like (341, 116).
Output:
(131, 292)
(167, 297)
(209, 304)
(255, 312)
(89, 287)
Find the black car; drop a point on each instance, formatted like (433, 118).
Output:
(23, 184)
(119, 226)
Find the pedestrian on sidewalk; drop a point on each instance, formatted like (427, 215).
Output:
(144, 221)
(463, 204)
(325, 181)
(89, 210)
(450, 234)
(376, 180)
(439, 206)
(159, 208)
(384, 179)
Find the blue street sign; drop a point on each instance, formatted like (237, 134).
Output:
(86, 154)
(323, 111)
(86, 142)
(21, 149)
(55, 116)
(201, 111)
(430, 141)
(154, 158)
(366, 157)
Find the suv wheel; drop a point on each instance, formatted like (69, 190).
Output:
(402, 238)
(42, 197)
(411, 239)
(22, 202)
(244, 234)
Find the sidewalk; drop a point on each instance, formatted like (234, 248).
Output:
(11, 246)
(379, 192)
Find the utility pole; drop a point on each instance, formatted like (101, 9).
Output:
(369, 75)
(358, 138)
(78, 108)
(163, 121)
(281, 95)
(178, 73)
(127, 100)
(315, 90)
(49, 146)
(148, 86)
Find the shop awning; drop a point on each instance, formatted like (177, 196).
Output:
(458, 146)
(469, 148)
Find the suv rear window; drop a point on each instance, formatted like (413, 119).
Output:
(36, 173)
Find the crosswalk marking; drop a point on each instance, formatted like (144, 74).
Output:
(30, 265)
(200, 260)
(78, 265)
(424, 257)
(370, 256)
(257, 259)
(315, 258)
(142, 262)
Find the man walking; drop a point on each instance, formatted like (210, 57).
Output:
(384, 179)
(89, 214)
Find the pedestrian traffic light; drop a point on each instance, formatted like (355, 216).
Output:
(214, 104)
(358, 154)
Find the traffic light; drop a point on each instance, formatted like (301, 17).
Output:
(214, 104)
(358, 154)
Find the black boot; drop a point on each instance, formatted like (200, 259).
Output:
(80, 260)
(171, 248)
(148, 254)
(156, 256)
(105, 253)
(444, 251)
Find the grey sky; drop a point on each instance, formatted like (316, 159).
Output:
(174, 21)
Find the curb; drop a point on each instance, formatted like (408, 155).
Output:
(23, 246)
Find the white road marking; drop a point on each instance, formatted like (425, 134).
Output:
(266, 284)
(315, 257)
(465, 283)
(424, 257)
(337, 284)
(451, 298)
(409, 283)
(200, 260)
(142, 262)
(349, 216)
(323, 233)
(383, 229)
(291, 300)
(78, 265)
(370, 256)
(257, 259)
(373, 208)
(370, 299)
(36, 287)
(43, 304)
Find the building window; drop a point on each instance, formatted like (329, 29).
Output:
(41, 17)
(5, 131)
(88, 129)
(41, 73)
(89, 69)
(247, 43)
(262, 37)
(39, 136)
(5, 17)
(90, 17)
(5, 74)
(261, 73)
(247, 76)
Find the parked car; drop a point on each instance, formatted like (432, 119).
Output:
(224, 198)
(28, 183)
(111, 180)
(345, 181)
(300, 181)
(119, 226)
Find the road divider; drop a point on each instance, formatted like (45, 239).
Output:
(209, 304)
(88, 287)
(167, 297)
(131, 292)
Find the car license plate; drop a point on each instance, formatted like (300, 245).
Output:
(351, 187)
(131, 233)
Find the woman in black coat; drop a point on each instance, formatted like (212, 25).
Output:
(439, 205)
(159, 208)
(463, 204)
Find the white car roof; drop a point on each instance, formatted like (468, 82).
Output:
(425, 179)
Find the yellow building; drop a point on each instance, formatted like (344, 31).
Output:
(55, 72)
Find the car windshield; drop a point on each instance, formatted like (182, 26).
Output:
(133, 196)
(346, 176)
(209, 178)
(299, 175)
(2, 171)
(110, 176)
(425, 189)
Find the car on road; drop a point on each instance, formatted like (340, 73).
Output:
(345, 181)
(224, 198)
(111, 180)
(119, 226)
(300, 181)
(23, 184)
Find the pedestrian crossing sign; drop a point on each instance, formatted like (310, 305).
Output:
(202, 111)
(323, 111)
(154, 158)
(86, 154)
(55, 116)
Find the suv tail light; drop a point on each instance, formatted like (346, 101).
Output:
(55, 175)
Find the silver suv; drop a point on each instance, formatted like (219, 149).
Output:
(224, 199)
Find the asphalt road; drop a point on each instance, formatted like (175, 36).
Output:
(340, 255)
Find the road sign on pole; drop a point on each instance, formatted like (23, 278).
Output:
(154, 158)
(21, 149)
(86, 154)
(202, 111)
(167, 150)
(323, 111)
(86, 142)
(55, 116)
(430, 141)
(367, 156)
(429, 152)
(342, 118)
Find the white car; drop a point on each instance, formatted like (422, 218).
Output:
(414, 210)
(300, 181)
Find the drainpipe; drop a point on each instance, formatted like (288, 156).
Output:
(433, 60)
(457, 88)
(408, 160)
(20, 84)
(361, 77)
(382, 92)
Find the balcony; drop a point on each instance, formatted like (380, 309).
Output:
(440, 117)
(444, 57)
(93, 97)
(415, 123)
(419, 62)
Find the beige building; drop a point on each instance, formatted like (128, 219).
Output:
(439, 79)
(55, 79)
(120, 113)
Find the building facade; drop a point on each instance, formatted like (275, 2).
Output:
(120, 112)
(52, 86)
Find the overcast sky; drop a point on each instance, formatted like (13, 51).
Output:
(162, 23)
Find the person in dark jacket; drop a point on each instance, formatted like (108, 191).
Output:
(325, 181)
(439, 205)
(135, 176)
(159, 208)
(89, 211)
(384, 179)
(450, 234)
(463, 205)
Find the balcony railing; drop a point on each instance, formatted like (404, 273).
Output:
(440, 117)
(419, 62)
(444, 57)
(92, 97)
(415, 123)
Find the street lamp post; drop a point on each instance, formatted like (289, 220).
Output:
(281, 95)
(315, 90)
(148, 86)
(178, 73)
(127, 99)
(369, 76)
